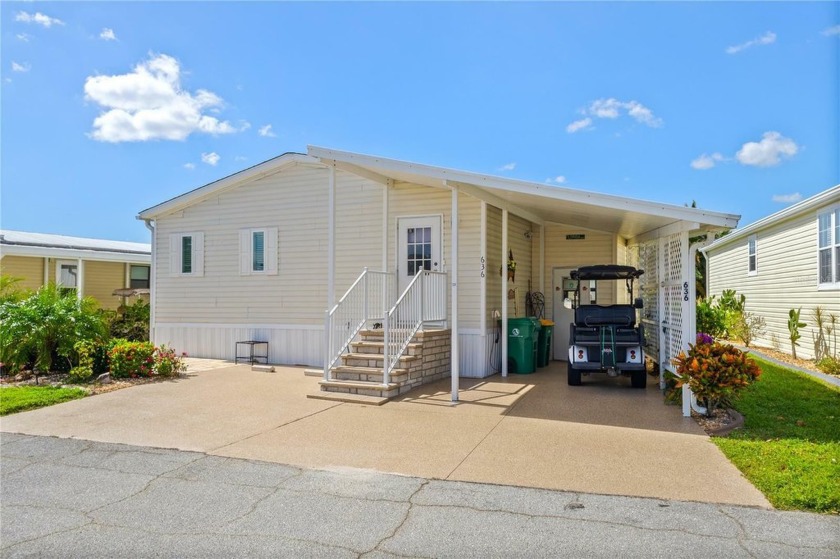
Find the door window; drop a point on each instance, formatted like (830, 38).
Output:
(419, 248)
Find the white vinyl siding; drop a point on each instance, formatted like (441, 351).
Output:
(258, 251)
(789, 278)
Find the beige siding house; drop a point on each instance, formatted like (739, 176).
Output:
(270, 254)
(788, 260)
(92, 267)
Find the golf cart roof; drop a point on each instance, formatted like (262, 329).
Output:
(606, 272)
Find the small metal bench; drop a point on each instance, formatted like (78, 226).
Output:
(253, 356)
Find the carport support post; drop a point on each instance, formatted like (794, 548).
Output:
(454, 351)
(504, 293)
(331, 239)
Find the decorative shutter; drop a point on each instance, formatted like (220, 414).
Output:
(198, 254)
(271, 251)
(174, 255)
(244, 252)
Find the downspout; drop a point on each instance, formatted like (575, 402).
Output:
(152, 277)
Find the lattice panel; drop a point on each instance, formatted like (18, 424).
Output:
(676, 293)
(649, 290)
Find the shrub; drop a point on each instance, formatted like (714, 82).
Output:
(711, 319)
(829, 365)
(794, 324)
(45, 325)
(83, 371)
(132, 359)
(715, 373)
(747, 327)
(169, 363)
(132, 322)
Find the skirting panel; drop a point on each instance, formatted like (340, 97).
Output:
(474, 359)
(286, 345)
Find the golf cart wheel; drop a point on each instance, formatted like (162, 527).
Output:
(638, 379)
(573, 375)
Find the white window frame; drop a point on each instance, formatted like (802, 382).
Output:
(246, 251)
(833, 246)
(752, 241)
(58, 264)
(176, 255)
(132, 266)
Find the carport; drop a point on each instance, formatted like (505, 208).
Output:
(648, 235)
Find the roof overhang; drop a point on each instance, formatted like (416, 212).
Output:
(75, 254)
(826, 197)
(628, 217)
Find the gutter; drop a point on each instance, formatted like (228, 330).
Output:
(151, 226)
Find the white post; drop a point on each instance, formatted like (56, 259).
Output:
(127, 270)
(664, 334)
(504, 293)
(483, 271)
(46, 271)
(454, 351)
(542, 262)
(331, 240)
(385, 202)
(80, 278)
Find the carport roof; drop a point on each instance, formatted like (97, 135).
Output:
(536, 202)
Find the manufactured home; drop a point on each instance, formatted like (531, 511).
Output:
(788, 260)
(108, 271)
(308, 252)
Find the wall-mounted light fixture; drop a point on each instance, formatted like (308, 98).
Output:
(528, 234)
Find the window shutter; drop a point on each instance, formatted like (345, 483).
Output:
(174, 255)
(244, 252)
(198, 254)
(271, 250)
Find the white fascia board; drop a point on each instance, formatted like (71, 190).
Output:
(536, 189)
(358, 171)
(89, 255)
(494, 200)
(809, 204)
(231, 181)
(664, 231)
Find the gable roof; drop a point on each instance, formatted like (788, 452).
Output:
(44, 244)
(809, 204)
(537, 202)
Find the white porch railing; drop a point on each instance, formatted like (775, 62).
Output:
(368, 300)
(424, 300)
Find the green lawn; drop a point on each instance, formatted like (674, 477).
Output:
(789, 446)
(19, 398)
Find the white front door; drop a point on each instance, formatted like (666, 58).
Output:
(564, 287)
(418, 247)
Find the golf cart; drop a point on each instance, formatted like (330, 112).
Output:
(606, 338)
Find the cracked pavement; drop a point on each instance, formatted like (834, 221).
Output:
(77, 498)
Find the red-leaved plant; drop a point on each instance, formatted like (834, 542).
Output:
(715, 372)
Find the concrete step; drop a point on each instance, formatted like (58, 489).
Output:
(373, 359)
(361, 388)
(367, 374)
(348, 398)
(378, 347)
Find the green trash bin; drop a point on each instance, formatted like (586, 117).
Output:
(522, 345)
(544, 343)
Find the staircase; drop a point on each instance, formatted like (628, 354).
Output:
(359, 376)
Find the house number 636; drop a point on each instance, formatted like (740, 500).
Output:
(483, 266)
(685, 291)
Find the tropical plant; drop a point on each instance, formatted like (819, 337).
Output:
(131, 322)
(748, 327)
(794, 324)
(825, 334)
(10, 289)
(715, 373)
(132, 359)
(711, 319)
(168, 362)
(45, 326)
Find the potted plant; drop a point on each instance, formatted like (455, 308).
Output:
(511, 267)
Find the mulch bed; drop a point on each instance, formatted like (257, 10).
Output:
(60, 379)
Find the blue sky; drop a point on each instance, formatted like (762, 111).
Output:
(109, 108)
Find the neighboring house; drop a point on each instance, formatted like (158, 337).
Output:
(263, 253)
(788, 260)
(91, 267)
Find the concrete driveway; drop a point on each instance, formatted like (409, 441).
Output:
(528, 430)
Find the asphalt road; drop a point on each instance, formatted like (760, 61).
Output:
(76, 498)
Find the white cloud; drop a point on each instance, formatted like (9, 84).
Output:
(787, 198)
(766, 39)
(559, 179)
(25, 67)
(211, 158)
(107, 34)
(581, 124)
(706, 161)
(265, 131)
(23, 37)
(189, 166)
(38, 18)
(508, 166)
(244, 125)
(831, 31)
(767, 152)
(612, 108)
(149, 104)
(240, 158)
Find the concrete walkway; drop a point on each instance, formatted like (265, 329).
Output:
(529, 430)
(71, 498)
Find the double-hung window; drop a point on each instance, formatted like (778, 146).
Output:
(139, 276)
(828, 247)
(186, 255)
(258, 251)
(751, 256)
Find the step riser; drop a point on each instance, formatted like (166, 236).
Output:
(378, 348)
(375, 363)
(368, 377)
